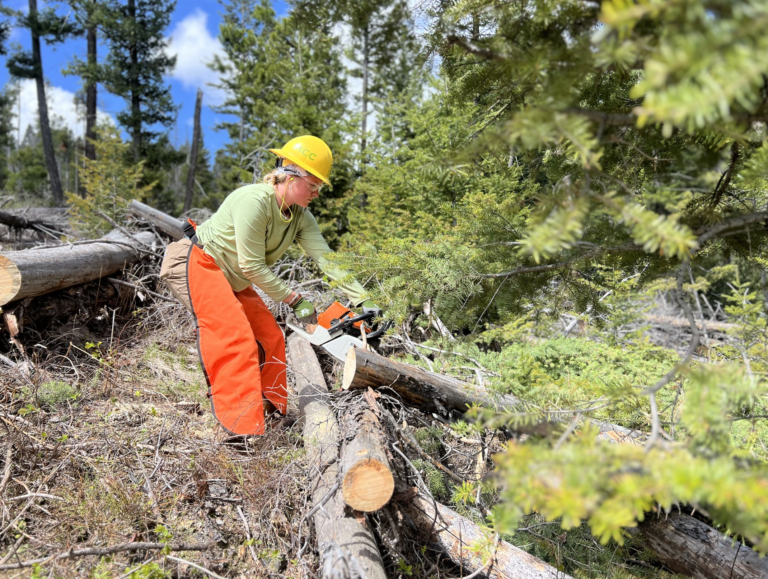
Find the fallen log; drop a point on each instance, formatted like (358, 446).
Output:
(419, 388)
(171, 226)
(34, 272)
(367, 481)
(347, 547)
(689, 547)
(685, 544)
(23, 222)
(472, 548)
(683, 323)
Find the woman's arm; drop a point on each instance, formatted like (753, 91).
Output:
(250, 223)
(312, 242)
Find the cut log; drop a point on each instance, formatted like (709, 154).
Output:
(171, 226)
(425, 390)
(367, 481)
(347, 547)
(690, 547)
(459, 538)
(34, 272)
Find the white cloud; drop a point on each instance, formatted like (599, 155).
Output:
(194, 48)
(61, 105)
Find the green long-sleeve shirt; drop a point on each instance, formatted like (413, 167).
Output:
(247, 235)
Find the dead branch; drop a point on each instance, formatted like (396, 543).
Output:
(124, 548)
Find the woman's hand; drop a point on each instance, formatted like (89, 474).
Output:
(305, 311)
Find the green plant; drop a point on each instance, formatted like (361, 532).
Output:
(464, 493)
(51, 394)
(109, 184)
(433, 478)
(429, 438)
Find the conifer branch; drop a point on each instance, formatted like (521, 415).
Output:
(608, 119)
(474, 49)
(704, 234)
(725, 178)
(538, 268)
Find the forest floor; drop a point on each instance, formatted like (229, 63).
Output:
(111, 440)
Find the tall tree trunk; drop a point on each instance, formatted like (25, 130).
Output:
(42, 105)
(366, 66)
(90, 95)
(134, 80)
(193, 152)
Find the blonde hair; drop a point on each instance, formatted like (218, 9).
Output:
(275, 178)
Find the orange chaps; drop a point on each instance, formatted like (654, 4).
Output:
(231, 329)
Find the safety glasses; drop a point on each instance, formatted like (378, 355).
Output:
(313, 187)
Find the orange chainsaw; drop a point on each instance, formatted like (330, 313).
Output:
(338, 329)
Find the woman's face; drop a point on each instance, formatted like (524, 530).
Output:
(303, 190)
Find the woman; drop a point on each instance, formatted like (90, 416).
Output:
(242, 349)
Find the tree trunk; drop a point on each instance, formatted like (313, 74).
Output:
(425, 390)
(347, 547)
(90, 93)
(134, 83)
(42, 105)
(367, 481)
(457, 536)
(193, 153)
(35, 272)
(366, 66)
(690, 547)
(171, 226)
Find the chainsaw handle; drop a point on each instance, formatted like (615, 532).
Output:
(384, 327)
(349, 322)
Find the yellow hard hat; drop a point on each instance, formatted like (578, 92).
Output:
(309, 153)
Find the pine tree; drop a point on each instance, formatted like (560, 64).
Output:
(380, 35)
(597, 144)
(110, 184)
(135, 66)
(5, 28)
(52, 28)
(285, 78)
(8, 100)
(89, 14)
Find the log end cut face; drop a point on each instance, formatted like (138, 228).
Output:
(10, 280)
(368, 486)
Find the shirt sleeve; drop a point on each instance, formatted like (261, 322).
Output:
(312, 242)
(250, 224)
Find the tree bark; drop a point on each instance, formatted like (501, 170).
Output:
(134, 84)
(90, 93)
(366, 67)
(34, 272)
(42, 106)
(367, 481)
(193, 153)
(21, 222)
(457, 536)
(425, 390)
(171, 226)
(346, 546)
(690, 547)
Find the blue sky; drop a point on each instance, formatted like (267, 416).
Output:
(192, 35)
